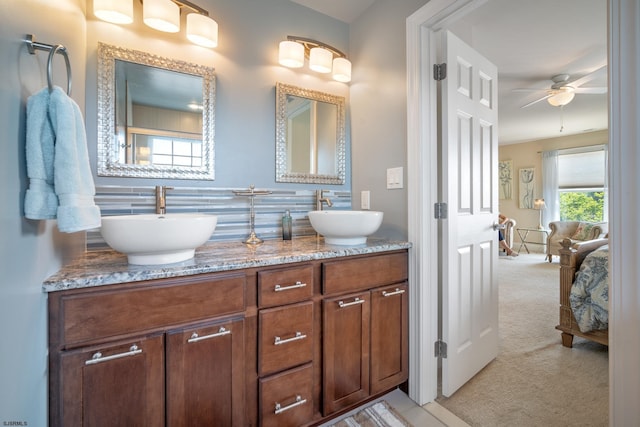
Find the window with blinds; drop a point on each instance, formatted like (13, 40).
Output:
(581, 184)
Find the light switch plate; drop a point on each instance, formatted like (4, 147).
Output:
(395, 178)
(365, 201)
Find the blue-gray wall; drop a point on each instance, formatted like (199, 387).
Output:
(247, 70)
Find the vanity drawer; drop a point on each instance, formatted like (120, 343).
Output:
(364, 273)
(285, 286)
(285, 399)
(285, 337)
(95, 315)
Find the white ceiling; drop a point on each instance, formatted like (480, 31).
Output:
(529, 41)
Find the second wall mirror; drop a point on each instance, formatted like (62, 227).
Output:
(155, 116)
(310, 136)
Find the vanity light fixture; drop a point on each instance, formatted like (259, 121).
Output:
(162, 15)
(322, 57)
(114, 11)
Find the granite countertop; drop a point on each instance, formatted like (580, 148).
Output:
(108, 267)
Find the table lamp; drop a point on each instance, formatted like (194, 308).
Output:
(539, 205)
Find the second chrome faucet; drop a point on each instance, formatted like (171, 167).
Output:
(161, 199)
(321, 199)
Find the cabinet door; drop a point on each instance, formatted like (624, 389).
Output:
(346, 350)
(389, 337)
(120, 384)
(205, 380)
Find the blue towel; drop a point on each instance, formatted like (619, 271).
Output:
(72, 178)
(40, 201)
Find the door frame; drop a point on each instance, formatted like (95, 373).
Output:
(624, 200)
(422, 184)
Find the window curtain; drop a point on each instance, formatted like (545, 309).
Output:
(550, 187)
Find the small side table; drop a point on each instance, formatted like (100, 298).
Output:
(524, 234)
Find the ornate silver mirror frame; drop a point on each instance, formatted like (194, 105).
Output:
(108, 153)
(284, 173)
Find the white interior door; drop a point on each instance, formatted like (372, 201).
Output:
(469, 187)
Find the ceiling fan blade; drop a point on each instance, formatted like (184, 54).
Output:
(591, 90)
(528, 90)
(584, 79)
(549, 95)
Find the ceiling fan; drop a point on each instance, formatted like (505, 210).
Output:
(563, 89)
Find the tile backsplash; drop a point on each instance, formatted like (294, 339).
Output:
(233, 211)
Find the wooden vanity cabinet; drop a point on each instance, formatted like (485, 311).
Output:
(120, 383)
(287, 345)
(205, 375)
(286, 337)
(162, 352)
(365, 336)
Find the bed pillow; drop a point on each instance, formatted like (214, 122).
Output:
(583, 231)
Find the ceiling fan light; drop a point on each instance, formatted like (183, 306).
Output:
(562, 98)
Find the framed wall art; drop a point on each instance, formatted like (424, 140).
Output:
(505, 179)
(527, 187)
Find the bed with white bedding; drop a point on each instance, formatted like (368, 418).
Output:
(584, 291)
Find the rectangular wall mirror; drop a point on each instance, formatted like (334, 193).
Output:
(310, 136)
(155, 116)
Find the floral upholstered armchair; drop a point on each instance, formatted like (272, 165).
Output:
(576, 231)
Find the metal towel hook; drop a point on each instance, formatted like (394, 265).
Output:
(53, 49)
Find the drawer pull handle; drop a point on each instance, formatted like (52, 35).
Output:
(98, 358)
(299, 401)
(298, 284)
(299, 336)
(396, 292)
(196, 338)
(343, 304)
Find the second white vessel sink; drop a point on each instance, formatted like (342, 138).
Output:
(152, 239)
(345, 227)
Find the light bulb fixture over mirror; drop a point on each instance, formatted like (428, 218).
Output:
(114, 11)
(322, 57)
(163, 15)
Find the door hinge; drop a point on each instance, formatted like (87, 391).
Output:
(440, 210)
(440, 71)
(440, 349)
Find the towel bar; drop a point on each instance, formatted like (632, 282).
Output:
(33, 45)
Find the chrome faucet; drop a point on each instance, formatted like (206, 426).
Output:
(161, 199)
(321, 199)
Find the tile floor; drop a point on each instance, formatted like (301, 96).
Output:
(429, 415)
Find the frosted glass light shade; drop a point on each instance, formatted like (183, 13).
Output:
(162, 15)
(202, 30)
(562, 98)
(342, 70)
(114, 11)
(291, 54)
(320, 60)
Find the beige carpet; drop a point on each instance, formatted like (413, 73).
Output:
(535, 381)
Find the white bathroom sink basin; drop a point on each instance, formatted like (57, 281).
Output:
(152, 239)
(345, 227)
